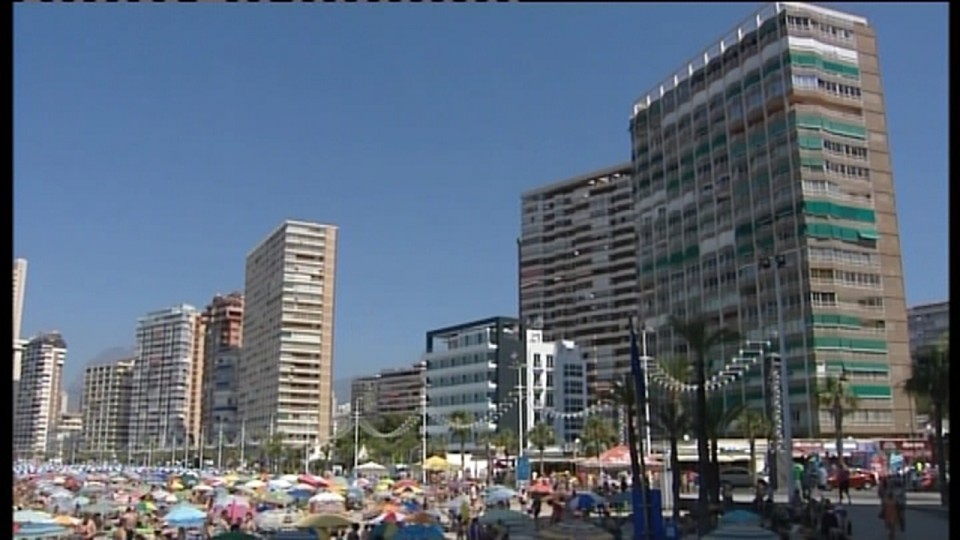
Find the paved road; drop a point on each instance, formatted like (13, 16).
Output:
(923, 524)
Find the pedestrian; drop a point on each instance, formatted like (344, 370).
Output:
(900, 496)
(843, 483)
(890, 515)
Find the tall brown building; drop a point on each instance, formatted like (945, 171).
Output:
(222, 341)
(766, 157)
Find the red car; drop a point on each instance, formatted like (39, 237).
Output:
(859, 479)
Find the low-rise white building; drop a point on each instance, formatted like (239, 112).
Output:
(556, 388)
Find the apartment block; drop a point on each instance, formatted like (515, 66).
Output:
(105, 409)
(223, 337)
(163, 400)
(473, 368)
(363, 395)
(578, 267)
(929, 324)
(38, 398)
(770, 148)
(555, 384)
(286, 365)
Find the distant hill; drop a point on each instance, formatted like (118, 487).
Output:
(73, 373)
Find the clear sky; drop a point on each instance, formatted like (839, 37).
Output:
(155, 145)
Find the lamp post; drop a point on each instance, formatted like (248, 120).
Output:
(423, 432)
(776, 263)
(356, 435)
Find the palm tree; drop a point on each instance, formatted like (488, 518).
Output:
(931, 381)
(719, 420)
(542, 436)
(673, 419)
(487, 440)
(460, 429)
(505, 440)
(753, 425)
(597, 435)
(701, 339)
(836, 396)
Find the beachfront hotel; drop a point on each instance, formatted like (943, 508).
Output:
(286, 364)
(766, 156)
(105, 409)
(38, 397)
(223, 337)
(161, 407)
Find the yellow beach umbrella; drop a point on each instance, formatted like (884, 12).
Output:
(436, 464)
(324, 521)
(66, 521)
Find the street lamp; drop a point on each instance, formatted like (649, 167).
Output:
(776, 263)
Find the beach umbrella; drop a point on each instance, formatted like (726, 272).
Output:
(304, 487)
(300, 494)
(323, 521)
(292, 478)
(419, 532)
(32, 516)
(428, 517)
(499, 496)
(146, 506)
(254, 484)
(235, 535)
(184, 515)
(66, 521)
(312, 480)
(277, 498)
(279, 484)
(102, 507)
(275, 519)
(202, 488)
(585, 500)
(575, 530)
(510, 518)
(388, 517)
(326, 498)
(436, 464)
(41, 530)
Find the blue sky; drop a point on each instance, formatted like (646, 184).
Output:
(156, 144)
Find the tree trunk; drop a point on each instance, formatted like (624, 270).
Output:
(489, 463)
(752, 442)
(703, 455)
(838, 427)
(715, 469)
(463, 458)
(541, 462)
(941, 453)
(675, 466)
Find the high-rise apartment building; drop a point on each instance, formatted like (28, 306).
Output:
(363, 395)
(929, 323)
(392, 392)
(286, 365)
(578, 267)
(770, 149)
(38, 399)
(223, 320)
(19, 290)
(105, 406)
(400, 391)
(163, 374)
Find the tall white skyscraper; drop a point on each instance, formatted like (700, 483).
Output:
(19, 287)
(38, 399)
(163, 372)
(286, 365)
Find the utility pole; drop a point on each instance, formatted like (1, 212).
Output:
(220, 447)
(243, 442)
(423, 433)
(356, 436)
(776, 263)
(645, 358)
(200, 465)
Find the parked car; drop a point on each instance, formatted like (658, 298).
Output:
(737, 477)
(859, 479)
